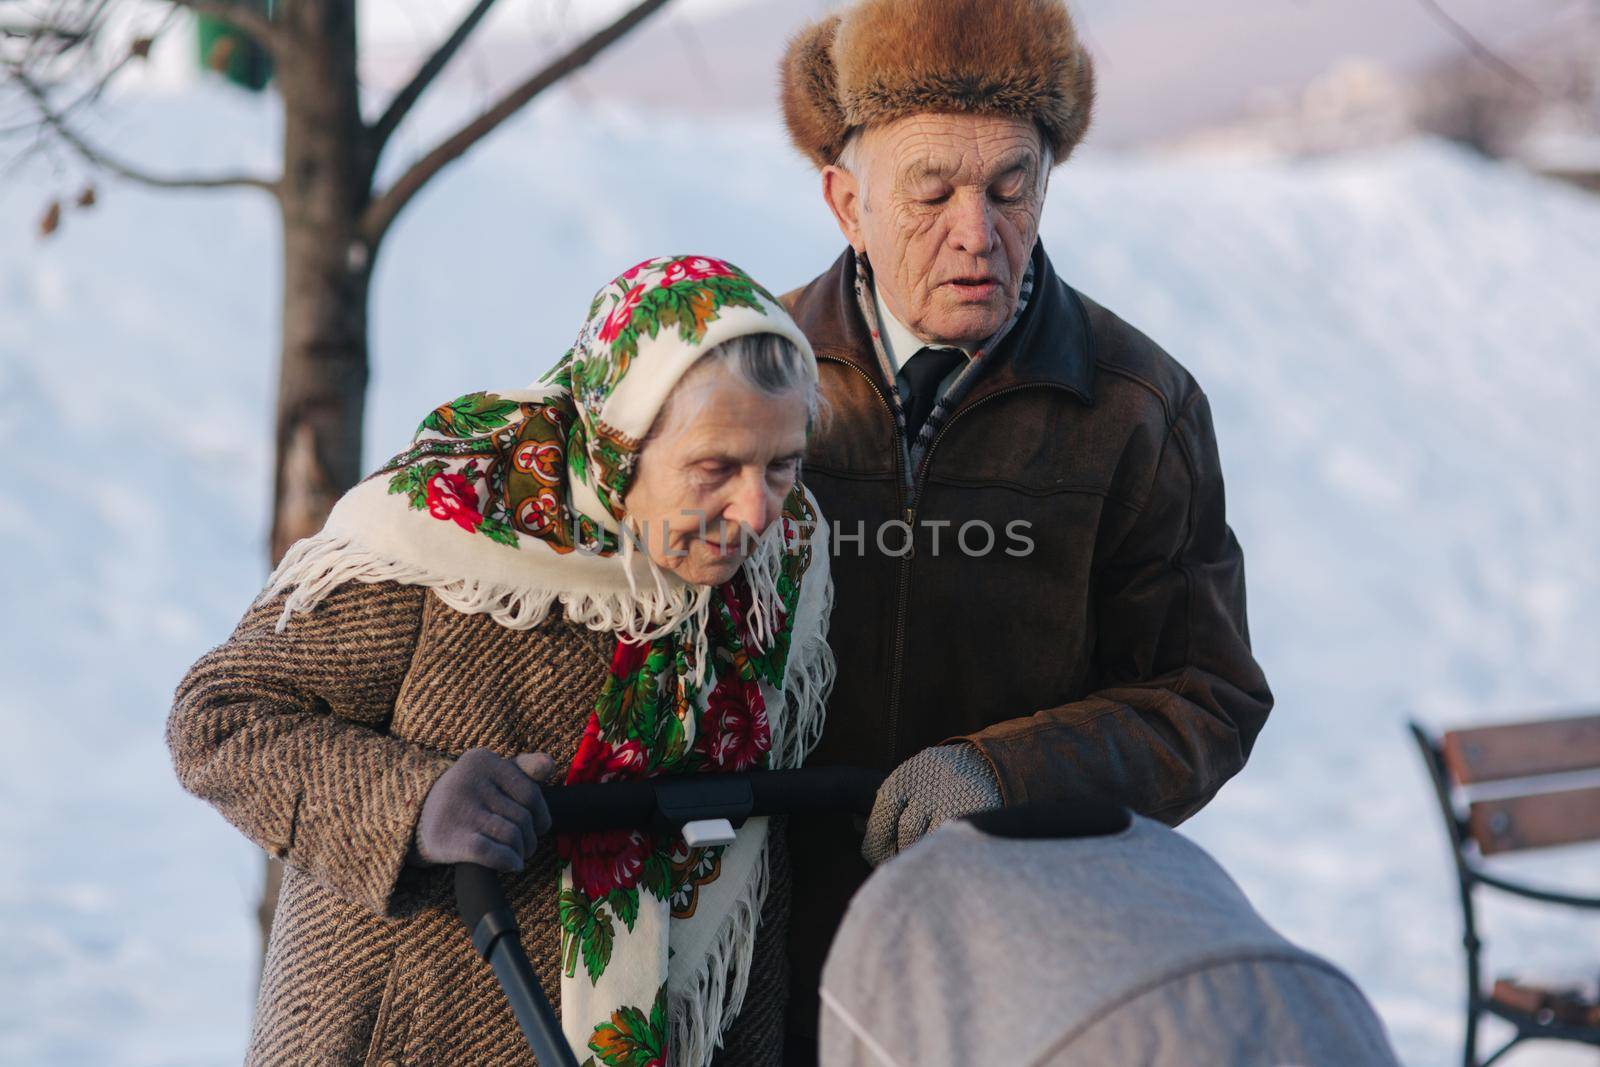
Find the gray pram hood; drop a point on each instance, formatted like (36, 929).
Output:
(1131, 948)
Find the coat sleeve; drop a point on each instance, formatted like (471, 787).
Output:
(1176, 697)
(286, 735)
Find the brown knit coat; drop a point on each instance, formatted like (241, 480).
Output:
(320, 744)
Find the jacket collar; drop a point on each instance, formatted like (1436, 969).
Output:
(1049, 345)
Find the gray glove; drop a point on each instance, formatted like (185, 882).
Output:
(485, 809)
(932, 787)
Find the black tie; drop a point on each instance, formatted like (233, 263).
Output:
(924, 371)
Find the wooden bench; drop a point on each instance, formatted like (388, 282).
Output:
(1529, 808)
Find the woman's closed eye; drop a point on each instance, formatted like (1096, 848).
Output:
(709, 472)
(783, 470)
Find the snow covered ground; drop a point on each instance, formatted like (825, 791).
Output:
(1403, 355)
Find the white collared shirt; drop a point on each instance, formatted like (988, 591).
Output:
(900, 344)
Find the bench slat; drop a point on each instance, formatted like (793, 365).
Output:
(1537, 821)
(1523, 750)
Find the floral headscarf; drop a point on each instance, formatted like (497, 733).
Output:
(509, 503)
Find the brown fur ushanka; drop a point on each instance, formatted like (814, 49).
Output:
(885, 59)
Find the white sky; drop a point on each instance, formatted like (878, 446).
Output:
(399, 20)
(1163, 65)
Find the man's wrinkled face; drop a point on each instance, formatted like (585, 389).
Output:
(946, 208)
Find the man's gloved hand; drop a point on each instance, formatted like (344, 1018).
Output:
(485, 809)
(932, 787)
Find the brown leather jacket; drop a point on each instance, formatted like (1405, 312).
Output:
(1112, 659)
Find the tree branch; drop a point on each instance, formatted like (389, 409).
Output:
(396, 112)
(89, 96)
(98, 158)
(1484, 54)
(267, 33)
(57, 31)
(383, 210)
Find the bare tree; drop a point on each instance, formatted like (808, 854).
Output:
(334, 215)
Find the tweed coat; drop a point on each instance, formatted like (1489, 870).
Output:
(320, 744)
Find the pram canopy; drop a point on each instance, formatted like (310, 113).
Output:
(998, 945)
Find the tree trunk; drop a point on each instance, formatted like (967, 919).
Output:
(326, 275)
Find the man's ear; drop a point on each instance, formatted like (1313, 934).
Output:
(843, 194)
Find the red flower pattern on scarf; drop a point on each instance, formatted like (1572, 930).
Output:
(452, 498)
(599, 761)
(694, 269)
(633, 272)
(627, 760)
(621, 315)
(734, 732)
(605, 860)
(735, 594)
(628, 657)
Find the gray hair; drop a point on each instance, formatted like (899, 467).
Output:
(852, 162)
(765, 363)
(852, 159)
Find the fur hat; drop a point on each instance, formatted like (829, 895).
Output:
(885, 59)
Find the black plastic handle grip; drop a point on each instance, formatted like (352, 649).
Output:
(808, 791)
(482, 905)
(478, 895)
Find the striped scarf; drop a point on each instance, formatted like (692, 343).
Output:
(959, 386)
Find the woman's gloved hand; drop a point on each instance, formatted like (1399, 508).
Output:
(485, 809)
(934, 786)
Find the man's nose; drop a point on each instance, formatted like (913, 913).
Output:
(972, 225)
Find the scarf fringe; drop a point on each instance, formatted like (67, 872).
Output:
(808, 679)
(713, 996)
(700, 612)
(762, 570)
(806, 690)
(318, 565)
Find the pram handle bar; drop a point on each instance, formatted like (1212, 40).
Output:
(659, 804)
(668, 803)
(481, 903)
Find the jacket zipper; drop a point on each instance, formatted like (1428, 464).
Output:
(909, 514)
(897, 669)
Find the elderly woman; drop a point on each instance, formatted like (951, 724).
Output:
(615, 576)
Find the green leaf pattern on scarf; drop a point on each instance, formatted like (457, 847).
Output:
(631, 1038)
(630, 707)
(689, 306)
(413, 482)
(586, 926)
(469, 416)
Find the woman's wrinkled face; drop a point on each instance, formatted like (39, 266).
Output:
(714, 473)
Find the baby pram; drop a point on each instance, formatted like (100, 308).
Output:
(1049, 936)
(1077, 935)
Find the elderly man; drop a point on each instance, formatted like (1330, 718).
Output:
(1038, 595)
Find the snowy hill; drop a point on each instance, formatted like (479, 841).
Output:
(1403, 355)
